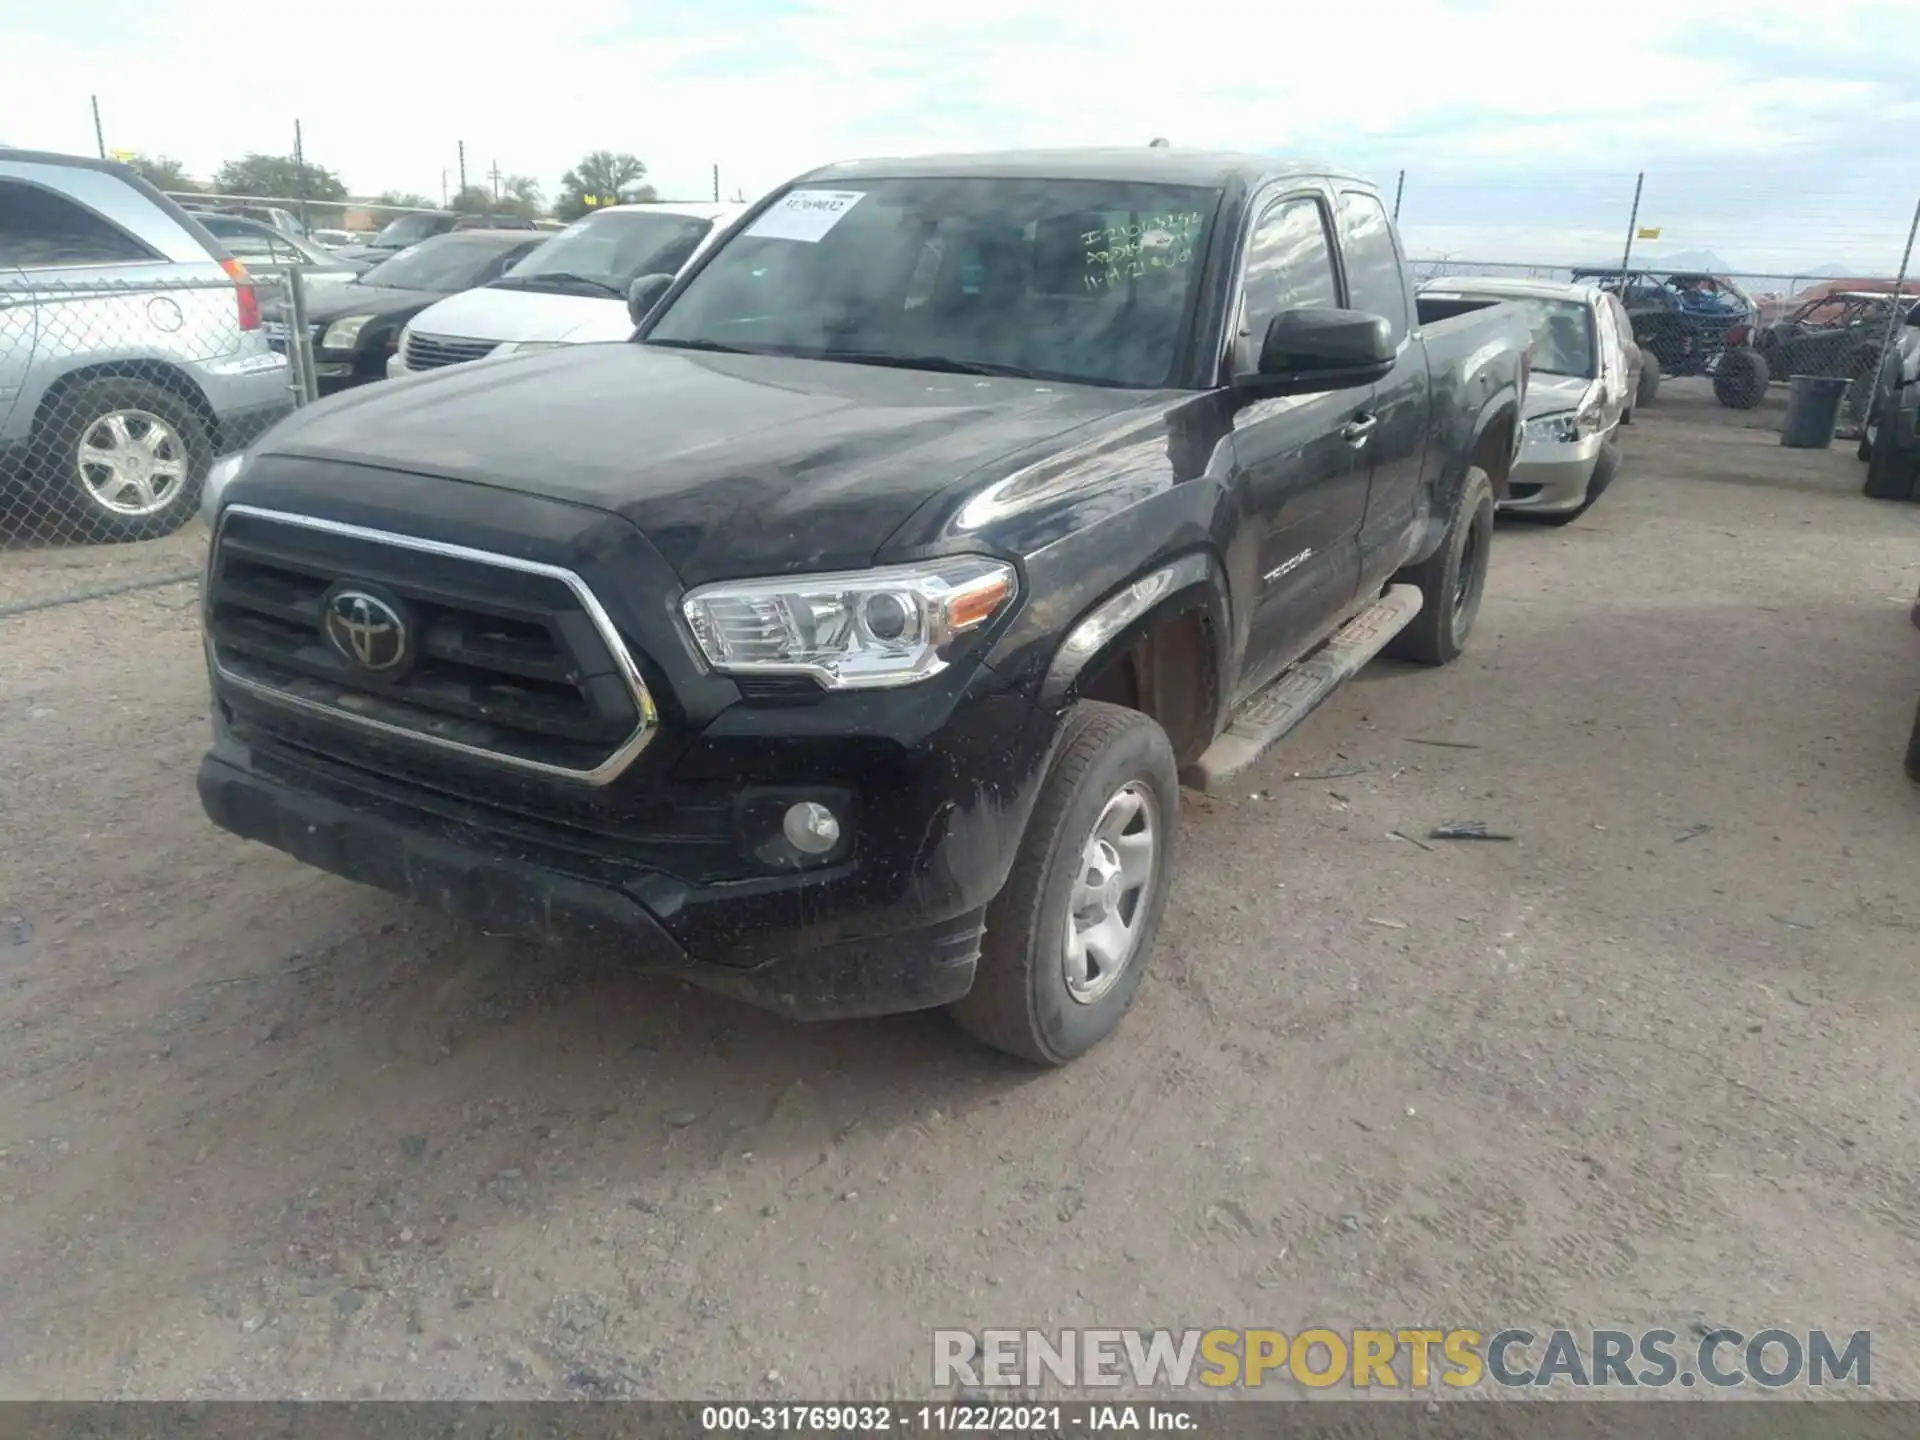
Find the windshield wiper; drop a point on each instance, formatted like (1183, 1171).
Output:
(946, 364)
(558, 280)
(720, 347)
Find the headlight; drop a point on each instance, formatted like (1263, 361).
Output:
(222, 473)
(855, 631)
(526, 347)
(342, 333)
(1561, 429)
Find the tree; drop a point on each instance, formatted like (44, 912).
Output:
(278, 176)
(605, 177)
(474, 200)
(520, 195)
(403, 199)
(164, 173)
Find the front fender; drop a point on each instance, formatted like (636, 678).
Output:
(1190, 583)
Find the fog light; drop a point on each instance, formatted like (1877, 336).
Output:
(811, 828)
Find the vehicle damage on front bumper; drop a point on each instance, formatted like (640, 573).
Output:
(1550, 476)
(687, 874)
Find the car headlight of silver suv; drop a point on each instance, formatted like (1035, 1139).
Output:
(858, 630)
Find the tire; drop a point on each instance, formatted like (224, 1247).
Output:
(1740, 381)
(97, 501)
(1022, 1001)
(1451, 580)
(1864, 450)
(1649, 385)
(1604, 470)
(1891, 474)
(1913, 750)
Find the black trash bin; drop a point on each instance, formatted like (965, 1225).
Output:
(1813, 411)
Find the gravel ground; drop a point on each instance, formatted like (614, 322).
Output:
(263, 1133)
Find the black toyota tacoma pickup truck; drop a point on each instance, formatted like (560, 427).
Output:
(841, 642)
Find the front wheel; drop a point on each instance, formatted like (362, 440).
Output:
(1069, 938)
(1740, 379)
(1649, 385)
(123, 460)
(1451, 580)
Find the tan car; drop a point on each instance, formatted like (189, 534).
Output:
(1584, 385)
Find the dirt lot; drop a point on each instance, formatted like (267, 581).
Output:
(265, 1133)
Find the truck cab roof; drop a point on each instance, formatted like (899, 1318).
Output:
(1147, 165)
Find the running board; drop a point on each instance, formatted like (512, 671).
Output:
(1268, 717)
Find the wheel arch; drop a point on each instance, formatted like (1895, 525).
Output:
(158, 373)
(1159, 644)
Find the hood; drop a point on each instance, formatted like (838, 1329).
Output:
(732, 465)
(1548, 394)
(329, 302)
(491, 313)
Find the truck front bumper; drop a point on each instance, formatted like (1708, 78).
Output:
(893, 926)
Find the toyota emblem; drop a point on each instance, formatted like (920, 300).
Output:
(368, 631)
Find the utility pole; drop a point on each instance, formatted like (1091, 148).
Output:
(443, 187)
(300, 170)
(716, 184)
(463, 166)
(99, 135)
(494, 175)
(1633, 224)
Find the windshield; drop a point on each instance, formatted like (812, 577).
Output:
(1562, 333)
(1075, 280)
(407, 230)
(609, 252)
(446, 262)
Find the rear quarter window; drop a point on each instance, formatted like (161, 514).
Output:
(40, 230)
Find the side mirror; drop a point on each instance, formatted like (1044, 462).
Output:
(644, 294)
(1310, 351)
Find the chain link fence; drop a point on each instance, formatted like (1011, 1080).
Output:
(116, 397)
(1827, 300)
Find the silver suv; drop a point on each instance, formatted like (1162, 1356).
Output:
(131, 352)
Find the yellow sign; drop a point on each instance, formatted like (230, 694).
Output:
(1649, 232)
(125, 157)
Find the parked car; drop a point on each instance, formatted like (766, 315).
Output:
(417, 225)
(335, 239)
(1581, 392)
(264, 247)
(1913, 740)
(1890, 439)
(284, 221)
(571, 290)
(131, 353)
(356, 326)
(838, 641)
(1835, 334)
(1681, 318)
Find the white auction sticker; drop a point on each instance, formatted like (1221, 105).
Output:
(805, 214)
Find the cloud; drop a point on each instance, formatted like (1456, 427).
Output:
(1521, 123)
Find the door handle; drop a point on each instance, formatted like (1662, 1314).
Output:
(1356, 430)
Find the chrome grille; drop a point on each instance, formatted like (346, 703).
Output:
(514, 662)
(430, 352)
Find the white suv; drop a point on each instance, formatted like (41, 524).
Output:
(570, 291)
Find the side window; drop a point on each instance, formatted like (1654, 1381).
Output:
(41, 230)
(1375, 277)
(1289, 267)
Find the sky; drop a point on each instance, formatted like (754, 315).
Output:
(1779, 136)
